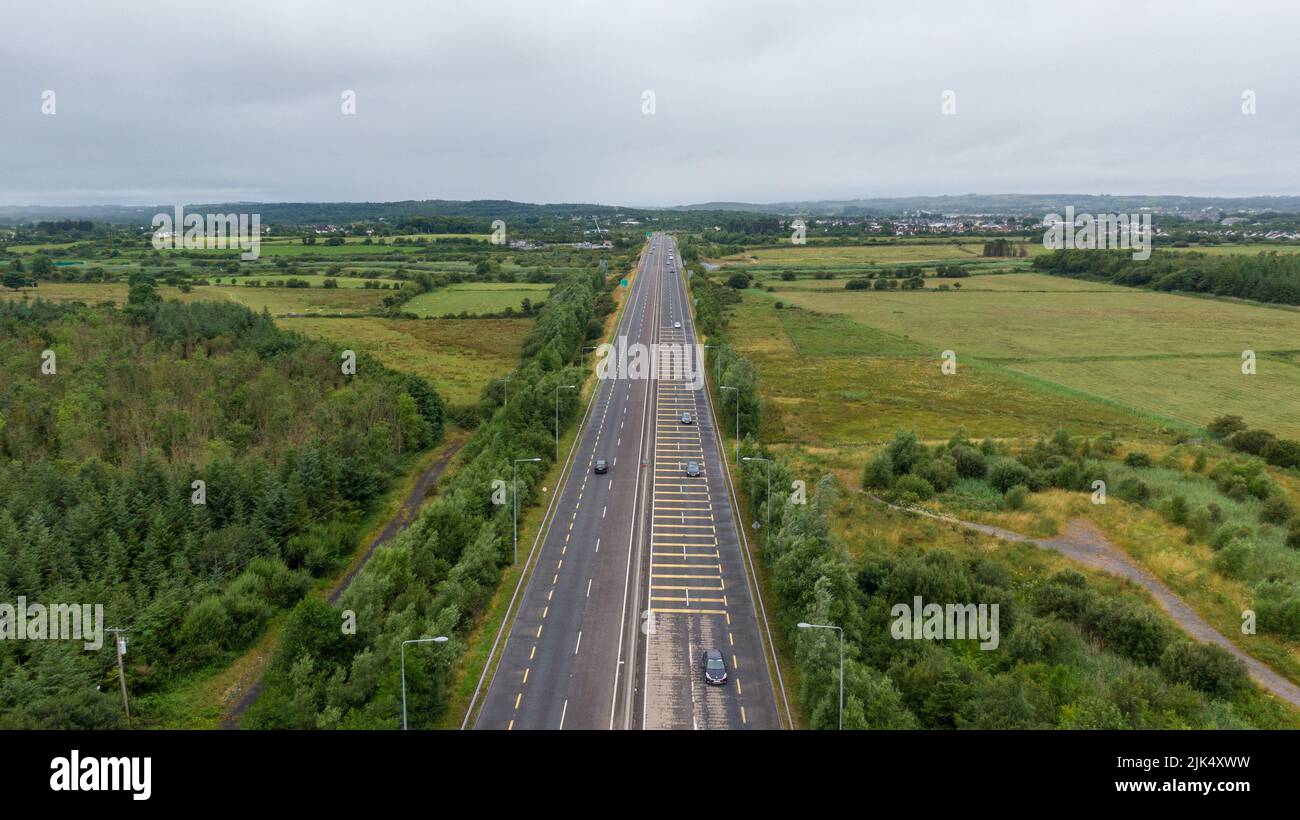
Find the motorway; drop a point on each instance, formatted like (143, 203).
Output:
(640, 570)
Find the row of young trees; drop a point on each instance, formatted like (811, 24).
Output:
(190, 467)
(437, 576)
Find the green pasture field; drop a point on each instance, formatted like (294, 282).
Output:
(476, 297)
(830, 382)
(1143, 358)
(459, 356)
(278, 301)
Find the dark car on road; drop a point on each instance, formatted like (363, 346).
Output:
(692, 469)
(715, 668)
(602, 466)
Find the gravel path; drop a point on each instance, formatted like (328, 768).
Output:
(1082, 542)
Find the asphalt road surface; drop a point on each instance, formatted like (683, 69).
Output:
(640, 570)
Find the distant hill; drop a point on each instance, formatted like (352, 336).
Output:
(1015, 204)
(484, 210)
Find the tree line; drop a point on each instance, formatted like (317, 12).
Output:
(1262, 277)
(437, 576)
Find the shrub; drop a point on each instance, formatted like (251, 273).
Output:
(1206, 668)
(1232, 559)
(1276, 510)
(1007, 473)
(1133, 490)
(1293, 538)
(1137, 459)
(970, 463)
(1283, 453)
(1277, 605)
(1128, 628)
(911, 487)
(1175, 510)
(905, 452)
(879, 471)
(1225, 426)
(1016, 497)
(1254, 442)
(738, 280)
(940, 472)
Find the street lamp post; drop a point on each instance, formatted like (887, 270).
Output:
(506, 388)
(769, 493)
(841, 631)
(439, 639)
(584, 355)
(724, 387)
(514, 493)
(558, 388)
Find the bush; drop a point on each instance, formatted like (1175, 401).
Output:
(738, 280)
(1137, 459)
(940, 472)
(911, 487)
(1133, 490)
(905, 452)
(970, 463)
(1276, 510)
(1016, 497)
(1127, 628)
(1254, 442)
(1277, 605)
(1293, 538)
(879, 471)
(1225, 426)
(1283, 453)
(1007, 473)
(1206, 668)
(1232, 559)
(1175, 510)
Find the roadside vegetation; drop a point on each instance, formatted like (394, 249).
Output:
(438, 575)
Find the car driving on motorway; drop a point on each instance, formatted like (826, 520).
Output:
(692, 469)
(602, 466)
(715, 668)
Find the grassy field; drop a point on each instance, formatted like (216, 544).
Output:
(898, 253)
(1171, 356)
(316, 280)
(459, 356)
(999, 282)
(476, 297)
(832, 382)
(278, 301)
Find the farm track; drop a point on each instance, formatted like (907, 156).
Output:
(1081, 541)
(401, 519)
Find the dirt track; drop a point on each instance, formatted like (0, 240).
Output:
(405, 513)
(1084, 543)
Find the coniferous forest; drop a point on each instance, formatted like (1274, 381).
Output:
(110, 418)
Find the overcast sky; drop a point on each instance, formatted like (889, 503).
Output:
(542, 101)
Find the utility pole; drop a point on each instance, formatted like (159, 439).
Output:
(119, 646)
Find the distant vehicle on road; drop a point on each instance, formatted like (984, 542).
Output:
(677, 325)
(715, 668)
(692, 469)
(602, 466)
(686, 417)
